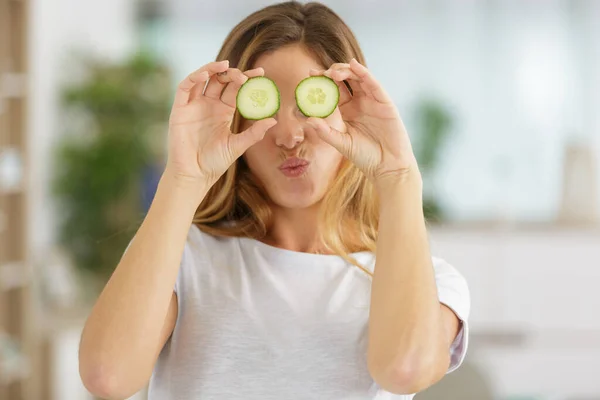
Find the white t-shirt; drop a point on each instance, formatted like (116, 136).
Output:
(257, 322)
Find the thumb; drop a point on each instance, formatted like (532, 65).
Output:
(341, 141)
(240, 142)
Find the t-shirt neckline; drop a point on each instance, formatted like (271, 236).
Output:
(281, 254)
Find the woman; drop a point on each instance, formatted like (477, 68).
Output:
(246, 281)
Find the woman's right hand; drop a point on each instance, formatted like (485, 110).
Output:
(201, 145)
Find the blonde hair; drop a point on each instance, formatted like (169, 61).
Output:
(349, 215)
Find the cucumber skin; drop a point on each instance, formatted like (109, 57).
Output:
(240, 90)
(317, 76)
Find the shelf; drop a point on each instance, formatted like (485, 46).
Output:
(13, 373)
(3, 221)
(18, 331)
(10, 191)
(13, 275)
(13, 85)
(14, 366)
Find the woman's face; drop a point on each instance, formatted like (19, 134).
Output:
(292, 137)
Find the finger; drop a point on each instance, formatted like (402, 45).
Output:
(212, 69)
(219, 81)
(240, 142)
(195, 82)
(370, 84)
(346, 74)
(316, 72)
(343, 74)
(233, 79)
(341, 141)
(230, 93)
(183, 93)
(333, 67)
(252, 73)
(215, 85)
(337, 66)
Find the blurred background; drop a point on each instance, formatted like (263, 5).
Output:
(501, 99)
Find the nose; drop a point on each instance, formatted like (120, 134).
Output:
(289, 131)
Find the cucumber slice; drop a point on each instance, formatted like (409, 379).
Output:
(317, 96)
(258, 98)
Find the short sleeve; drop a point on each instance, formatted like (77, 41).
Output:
(197, 242)
(453, 292)
(184, 257)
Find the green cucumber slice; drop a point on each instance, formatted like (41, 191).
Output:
(258, 98)
(317, 96)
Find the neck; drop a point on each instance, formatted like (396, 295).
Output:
(295, 229)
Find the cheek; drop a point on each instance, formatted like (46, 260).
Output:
(260, 157)
(251, 156)
(330, 159)
(333, 156)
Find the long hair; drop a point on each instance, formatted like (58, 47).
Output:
(236, 205)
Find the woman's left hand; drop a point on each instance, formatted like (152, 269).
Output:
(374, 139)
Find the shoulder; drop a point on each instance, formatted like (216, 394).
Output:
(198, 238)
(205, 247)
(443, 267)
(448, 277)
(203, 254)
(452, 287)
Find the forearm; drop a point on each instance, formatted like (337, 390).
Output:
(405, 324)
(123, 329)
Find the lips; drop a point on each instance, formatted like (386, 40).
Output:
(293, 162)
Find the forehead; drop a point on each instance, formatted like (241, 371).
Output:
(288, 65)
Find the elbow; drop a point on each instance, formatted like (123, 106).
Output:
(406, 376)
(109, 375)
(103, 381)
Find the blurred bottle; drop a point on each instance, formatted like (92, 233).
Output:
(579, 199)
